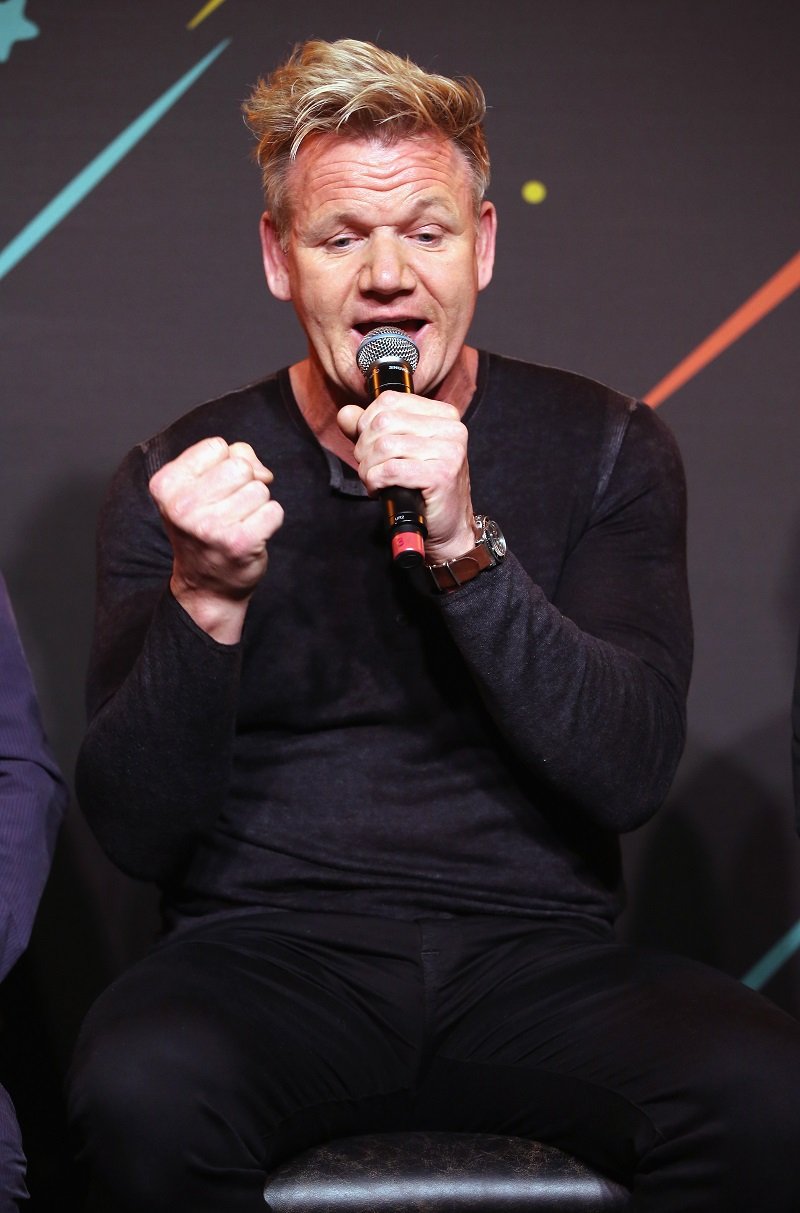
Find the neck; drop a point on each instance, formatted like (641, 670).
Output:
(319, 406)
(458, 385)
(319, 401)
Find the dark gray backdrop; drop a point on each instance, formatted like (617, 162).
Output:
(665, 133)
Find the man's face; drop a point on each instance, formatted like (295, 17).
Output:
(381, 234)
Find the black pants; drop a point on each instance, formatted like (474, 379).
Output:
(242, 1041)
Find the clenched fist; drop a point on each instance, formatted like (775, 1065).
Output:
(219, 515)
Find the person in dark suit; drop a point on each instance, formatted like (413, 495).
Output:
(33, 798)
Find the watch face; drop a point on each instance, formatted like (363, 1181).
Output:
(493, 536)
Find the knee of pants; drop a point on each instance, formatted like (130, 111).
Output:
(749, 1083)
(156, 1081)
(12, 1158)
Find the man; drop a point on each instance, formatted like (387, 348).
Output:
(33, 798)
(383, 806)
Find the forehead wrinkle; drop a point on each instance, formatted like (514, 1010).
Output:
(432, 204)
(345, 168)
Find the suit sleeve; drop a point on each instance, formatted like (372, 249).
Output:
(33, 796)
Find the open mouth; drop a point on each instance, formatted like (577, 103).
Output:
(404, 323)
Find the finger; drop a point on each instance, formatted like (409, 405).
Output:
(188, 466)
(202, 460)
(397, 472)
(392, 403)
(348, 420)
(446, 449)
(239, 527)
(267, 519)
(183, 499)
(407, 418)
(233, 506)
(247, 538)
(197, 459)
(243, 450)
(226, 478)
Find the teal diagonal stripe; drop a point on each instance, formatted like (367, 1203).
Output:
(88, 178)
(776, 957)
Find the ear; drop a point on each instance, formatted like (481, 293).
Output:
(485, 242)
(276, 268)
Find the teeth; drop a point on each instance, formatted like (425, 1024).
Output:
(405, 326)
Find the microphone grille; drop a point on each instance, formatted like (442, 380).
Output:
(386, 344)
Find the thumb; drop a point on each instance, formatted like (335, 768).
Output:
(348, 419)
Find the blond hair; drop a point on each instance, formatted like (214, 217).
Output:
(356, 89)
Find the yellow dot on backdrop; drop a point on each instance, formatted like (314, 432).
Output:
(534, 191)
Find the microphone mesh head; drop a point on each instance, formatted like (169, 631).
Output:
(386, 345)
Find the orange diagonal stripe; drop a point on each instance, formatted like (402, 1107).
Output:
(757, 306)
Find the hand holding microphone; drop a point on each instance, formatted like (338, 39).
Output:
(412, 455)
(387, 358)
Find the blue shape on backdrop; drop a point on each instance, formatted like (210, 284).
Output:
(14, 26)
(766, 968)
(93, 174)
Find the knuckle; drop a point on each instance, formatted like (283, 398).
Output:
(272, 517)
(386, 446)
(205, 530)
(240, 545)
(392, 470)
(198, 458)
(382, 419)
(161, 482)
(372, 480)
(256, 494)
(239, 468)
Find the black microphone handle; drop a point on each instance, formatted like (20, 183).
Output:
(405, 515)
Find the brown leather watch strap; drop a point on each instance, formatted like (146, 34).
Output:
(454, 573)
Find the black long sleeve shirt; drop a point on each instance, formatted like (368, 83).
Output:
(372, 747)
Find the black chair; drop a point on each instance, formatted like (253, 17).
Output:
(439, 1173)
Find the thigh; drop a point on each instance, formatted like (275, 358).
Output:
(239, 1042)
(661, 1071)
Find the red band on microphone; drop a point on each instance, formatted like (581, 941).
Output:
(407, 541)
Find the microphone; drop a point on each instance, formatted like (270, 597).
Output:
(387, 358)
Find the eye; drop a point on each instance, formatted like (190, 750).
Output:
(428, 237)
(340, 243)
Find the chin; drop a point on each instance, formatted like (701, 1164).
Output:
(349, 389)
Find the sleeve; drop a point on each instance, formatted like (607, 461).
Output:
(589, 689)
(33, 796)
(154, 766)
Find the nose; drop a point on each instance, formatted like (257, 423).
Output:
(386, 269)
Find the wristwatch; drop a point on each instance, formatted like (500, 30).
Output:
(489, 550)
